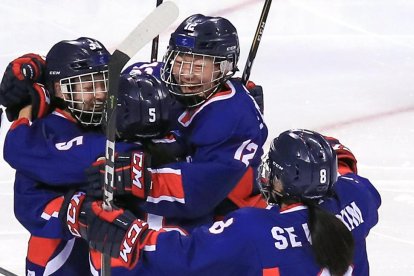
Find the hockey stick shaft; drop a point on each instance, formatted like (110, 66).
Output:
(152, 25)
(256, 41)
(157, 21)
(154, 48)
(5, 272)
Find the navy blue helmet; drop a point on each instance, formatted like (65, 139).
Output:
(200, 38)
(300, 164)
(143, 107)
(69, 58)
(77, 71)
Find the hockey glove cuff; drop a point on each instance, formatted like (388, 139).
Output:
(38, 97)
(347, 162)
(256, 91)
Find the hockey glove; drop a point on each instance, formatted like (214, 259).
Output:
(39, 98)
(29, 66)
(71, 213)
(18, 89)
(256, 91)
(172, 148)
(132, 175)
(117, 233)
(347, 162)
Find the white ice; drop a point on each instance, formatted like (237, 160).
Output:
(342, 67)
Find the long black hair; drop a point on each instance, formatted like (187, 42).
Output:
(332, 242)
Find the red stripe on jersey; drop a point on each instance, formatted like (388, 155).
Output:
(187, 117)
(52, 208)
(54, 205)
(150, 239)
(290, 206)
(242, 196)
(18, 122)
(167, 183)
(65, 114)
(274, 271)
(40, 250)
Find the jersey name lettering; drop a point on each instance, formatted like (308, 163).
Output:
(351, 216)
(285, 237)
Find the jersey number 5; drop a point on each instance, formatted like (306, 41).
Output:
(69, 144)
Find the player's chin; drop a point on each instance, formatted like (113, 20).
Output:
(192, 89)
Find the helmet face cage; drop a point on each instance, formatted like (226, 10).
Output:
(80, 68)
(202, 55)
(85, 96)
(265, 182)
(270, 183)
(193, 78)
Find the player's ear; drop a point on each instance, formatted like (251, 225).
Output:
(58, 90)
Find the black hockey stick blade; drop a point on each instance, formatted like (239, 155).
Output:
(154, 48)
(256, 41)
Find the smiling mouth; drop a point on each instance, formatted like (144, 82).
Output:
(191, 88)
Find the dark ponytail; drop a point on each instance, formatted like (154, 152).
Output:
(332, 242)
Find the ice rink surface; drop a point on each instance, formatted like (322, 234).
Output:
(342, 67)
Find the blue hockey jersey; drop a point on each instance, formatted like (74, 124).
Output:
(50, 157)
(45, 170)
(226, 135)
(272, 241)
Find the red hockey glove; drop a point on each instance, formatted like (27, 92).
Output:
(70, 213)
(117, 233)
(40, 100)
(132, 175)
(347, 162)
(256, 91)
(17, 88)
(29, 66)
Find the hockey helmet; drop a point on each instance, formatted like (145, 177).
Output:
(300, 164)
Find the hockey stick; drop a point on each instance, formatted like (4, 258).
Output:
(256, 41)
(5, 272)
(152, 25)
(154, 49)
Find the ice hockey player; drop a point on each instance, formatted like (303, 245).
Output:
(316, 223)
(221, 126)
(52, 140)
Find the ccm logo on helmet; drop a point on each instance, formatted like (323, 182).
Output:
(137, 178)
